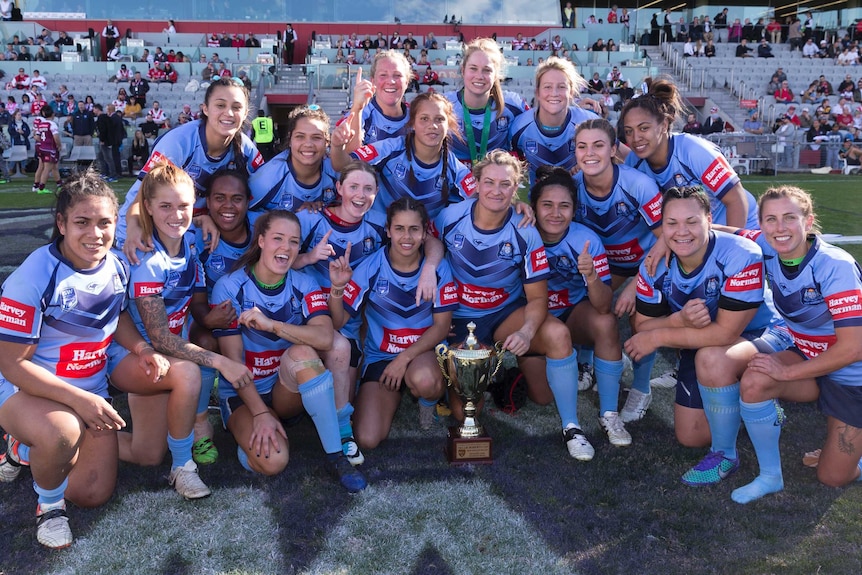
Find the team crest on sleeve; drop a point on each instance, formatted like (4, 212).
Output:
(506, 252)
(811, 296)
(287, 202)
(68, 299)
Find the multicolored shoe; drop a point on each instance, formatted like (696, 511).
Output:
(577, 444)
(351, 451)
(10, 461)
(585, 376)
(52, 525)
(204, 451)
(711, 469)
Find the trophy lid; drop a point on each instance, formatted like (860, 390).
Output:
(471, 347)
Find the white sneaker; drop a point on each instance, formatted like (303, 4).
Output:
(636, 406)
(187, 482)
(10, 463)
(52, 525)
(351, 451)
(667, 379)
(577, 444)
(615, 429)
(585, 376)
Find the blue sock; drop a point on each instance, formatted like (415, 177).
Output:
(427, 402)
(208, 377)
(181, 449)
(721, 407)
(586, 354)
(318, 398)
(345, 429)
(859, 465)
(562, 377)
(608, 375)
(23, 452)
(243, 458)
(643, 369)
(49, 496)
(763, 422)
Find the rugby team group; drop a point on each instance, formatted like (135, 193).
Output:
(320, 280)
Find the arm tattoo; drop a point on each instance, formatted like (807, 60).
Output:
(155, 318)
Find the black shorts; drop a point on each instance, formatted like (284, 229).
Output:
(843, 402)
(374, 371)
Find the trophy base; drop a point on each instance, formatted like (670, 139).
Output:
(461, 450)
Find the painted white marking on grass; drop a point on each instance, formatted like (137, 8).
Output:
(231, 531)
(25, 219)
(470, 528)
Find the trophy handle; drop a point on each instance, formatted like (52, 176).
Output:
(498, 347)
(442, 353)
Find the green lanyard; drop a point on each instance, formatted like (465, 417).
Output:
(471, 137)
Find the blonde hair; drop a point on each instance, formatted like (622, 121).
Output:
(576, 82)
(795, 194)
(500, 158)
(489, 47)
(162, 175)
(398, 58)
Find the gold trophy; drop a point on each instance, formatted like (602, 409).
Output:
(468, 369)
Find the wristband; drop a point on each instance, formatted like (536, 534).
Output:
(261, 413)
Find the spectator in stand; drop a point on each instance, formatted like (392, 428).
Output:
(251, 41)
(809, 49)
(784, 95)
(844, 118)
(132, 111)
(682, 30)
(845, 88)
(764, 50)
(170, 74)
(111, 34)
(692, 126)
(824, 86)
(612, 15)
(214, 59)
(290, 39)
(11, 105)
(848, 57)
(224, 41)
(774, 84)
(791, 115)
(779, 73)
(595, 84)
(380, 41)
(688, 49)
(237, 41)
(857, 91)
(742, 50)
(150, 128)
(139, 87)
(709, 49)
(714, 124)
(773, 30)
(794, 34)
(805, 119)
(824, 110)
(410, 42)
(24, 55)
(26, 106)
(71, 105)
(752, 124)
(223, 71)
(81, 124)
(568, 16)
(122, 75)
(598, 46)
(140, 152)
(38, 82)
(431, 78)
(721, 25)
(19, 133)
(157, 114)
(156, 73)
(208, 72)
(734, 32)
(114, 54)
(41, 55)
(784, 132)
(160, 56)
(810, 95)
(39, 102)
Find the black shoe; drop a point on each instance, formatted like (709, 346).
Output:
(339, 468)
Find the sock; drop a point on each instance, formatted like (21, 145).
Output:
(764, 429)
(318, 398)
(208, 377)
(41, 186)
(585, 354)
(427, 402)
(345, 429)
(562, 377)
(608, 375)
(721, 407)
(23, 452)
(181, 449)
(51, 496)
(643, 369)
(243, 458)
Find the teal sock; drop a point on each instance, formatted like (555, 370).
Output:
(608, 373)
(318, 398)
(642, 372)
(208, 377)
(562, 377)
(763, 422)
(586, 354)
(23, 452)
(243, 458)
(181, 449)
(345, 429)
(427, 402)
(49, 496)
(721, 407)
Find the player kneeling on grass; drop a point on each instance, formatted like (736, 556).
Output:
(711, 302)
(59, 311)
(283, 326)
(579, 291)
(401, 335)
(501, 271)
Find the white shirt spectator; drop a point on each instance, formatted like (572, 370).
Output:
(158, 115)
(6, 9)
(37, 81)
(809, 50)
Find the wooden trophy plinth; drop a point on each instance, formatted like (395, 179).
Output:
(460, 450)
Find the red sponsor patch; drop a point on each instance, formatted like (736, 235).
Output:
(749, 234)
(845, 305)
(812, 345)
(468, 184)
(625, 253)
(718, 172)
(539, 259)
(600, 262)
(83, 359)
(316, 302)
(351, 292)
(16, 316)
(257, 161)
(558, 299)
(177, 320)
(146, 289)
(749, 279)
(397, 340)
(366, 153)
(262, 364)
(448, 294)
(653, 209)
(155, 159)
(644, 288)
(478, 297)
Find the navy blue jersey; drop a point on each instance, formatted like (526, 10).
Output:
(274, 186)
(498, 135)
(566, 285)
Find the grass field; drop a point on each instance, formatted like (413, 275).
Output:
(533, 511)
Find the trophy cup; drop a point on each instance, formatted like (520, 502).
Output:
(468, 369)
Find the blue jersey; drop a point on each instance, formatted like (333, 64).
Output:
(566, 285)
(378, 126)
(220, 261)
(490, 267)
(174, 279)
(70, 315)
(498, 134)
(274, 186)
(542, 147)
(401, 174)
(730, 278)
(394, 320)
(822, 294)
(694, 161)
(186, 146)
(625, 219)
(294, 302)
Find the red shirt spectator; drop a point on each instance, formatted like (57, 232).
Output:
(156, 74)
(784, 94)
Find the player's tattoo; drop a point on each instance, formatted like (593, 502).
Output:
(847, 435)
(155, 318)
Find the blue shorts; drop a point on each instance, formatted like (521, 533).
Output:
(227, 405)
(843, 402)
(485, 326)
(769, 339)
